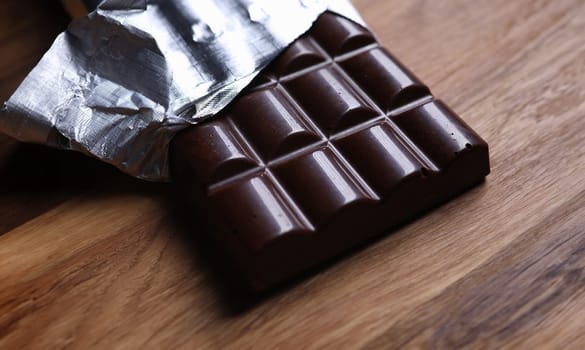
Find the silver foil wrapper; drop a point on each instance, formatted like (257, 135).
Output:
(122, 81)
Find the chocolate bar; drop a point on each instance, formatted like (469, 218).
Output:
(334, 143)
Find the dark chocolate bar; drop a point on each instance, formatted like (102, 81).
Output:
(335, 143)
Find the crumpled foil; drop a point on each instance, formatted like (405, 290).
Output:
(121, 82)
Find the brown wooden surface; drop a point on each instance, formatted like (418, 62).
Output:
(90, 258)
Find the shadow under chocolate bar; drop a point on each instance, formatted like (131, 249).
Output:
(334, 143)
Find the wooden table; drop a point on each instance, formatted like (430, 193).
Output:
(91, 258)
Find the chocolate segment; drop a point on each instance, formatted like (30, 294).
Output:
(335, 143)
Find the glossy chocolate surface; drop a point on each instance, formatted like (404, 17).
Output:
(335, 143)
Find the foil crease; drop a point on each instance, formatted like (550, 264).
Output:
(122, 81)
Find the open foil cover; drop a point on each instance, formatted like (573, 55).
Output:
(122, 81)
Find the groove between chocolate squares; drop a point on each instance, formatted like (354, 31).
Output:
(325, 140)
(329, 61)
(328, 142)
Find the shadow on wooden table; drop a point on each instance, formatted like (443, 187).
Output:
(34, 179)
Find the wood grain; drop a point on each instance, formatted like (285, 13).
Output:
(90, 258)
